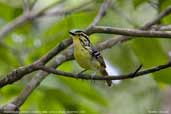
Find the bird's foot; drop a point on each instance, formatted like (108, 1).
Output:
(82, 71)
(78, 75)
(92, 76)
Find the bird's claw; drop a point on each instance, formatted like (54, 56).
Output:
(78, 75)
(92, 76)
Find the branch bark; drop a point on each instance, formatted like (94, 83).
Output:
(130, 32)
(30, 16)
(10, 78)
(17, 74)
(22, 71)
(68, 56)
(64, 56)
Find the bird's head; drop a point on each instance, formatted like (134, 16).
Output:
(76, 32)
(81, 35)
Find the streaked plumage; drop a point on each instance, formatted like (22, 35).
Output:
(86, 54)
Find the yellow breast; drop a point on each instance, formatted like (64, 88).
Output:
(83, 57)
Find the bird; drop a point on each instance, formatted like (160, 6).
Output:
(86, 55)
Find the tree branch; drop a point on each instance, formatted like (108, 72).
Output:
(64, 56)
(22, 71)
(119, 77)
(82, 7)
(35, 81)
(119, 39)
(101, 13)
(13, 24)
(17, 74)
(43, 60)
(130, 32)
(28, 16)
(156, 20)
(12, 77)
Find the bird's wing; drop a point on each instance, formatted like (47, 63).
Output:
(96, 54)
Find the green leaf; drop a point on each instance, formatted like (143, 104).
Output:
(138, 2)
(8, 12)
(163, 76)
(149, 52)
(122, 57)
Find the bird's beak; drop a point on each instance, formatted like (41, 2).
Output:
(71, 33)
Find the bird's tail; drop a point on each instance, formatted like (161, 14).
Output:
(104, 73)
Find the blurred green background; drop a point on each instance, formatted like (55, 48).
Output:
(27, 43)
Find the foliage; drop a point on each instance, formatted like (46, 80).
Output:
(30, 41)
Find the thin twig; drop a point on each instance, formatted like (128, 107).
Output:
(161, 27)
(12, 77)
(13, 24)
(120, 12)
(94, 29)
(147, 26)
(20, 72)
(100, 14)
(67, 55)
(37, 79)
(82, 7)
(41, 12)
(26, 6)
(26, 16)
(136, 71)
(33, 4)
(156, 20)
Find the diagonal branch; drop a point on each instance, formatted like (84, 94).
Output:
(156, 20)
(64, 56)
(22, 71)
(29, 16)
(83, 7)
(119, 39)
(67, 55)
(35, 81)
(12, 77)
(13, 24)
(17, 74)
